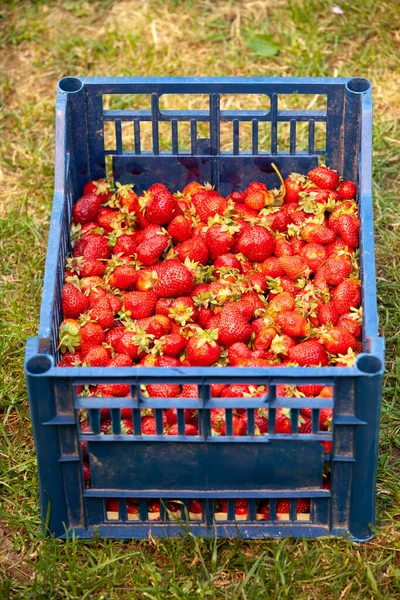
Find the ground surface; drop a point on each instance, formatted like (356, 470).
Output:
(39, 43)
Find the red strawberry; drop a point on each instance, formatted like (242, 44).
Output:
(97, 356)
(123, 277)
(174, 279)
(70, 359)
(294, 266)
(317, 234)
(310, 389)
(348, 227)
(195, 250)
(86, 209)
(73, 301)
(171, 414)
(85, 267)
(257, 198)
(189, 430)
(233, 327)
(351, 324)
(114, 334)
(173, 344)
(160, 207)
(100, 187)
(109, 219)
(314, 255)
(346, 295)
(308, 353)
(116, 390)
(195, 507)
(324, 178)
(91, 334)
(218, 240)
(294, 184)
(338, 341)
(336, 269)
(270, 267)
(180, 229)
(282, 301)
(92, 245)
(150, 249)
(140, 304)
(347, 190)
(282, 420)
(237, 351)
(297, 245)
(208, 203)
(120, 360)
(256, 243)
(327, 313)
(134, 344)
(305, 426)
(163, 390)
(238, 426)
(148, 426)
(226, 260)
(292, 324)
(202, 349)
(102, 313)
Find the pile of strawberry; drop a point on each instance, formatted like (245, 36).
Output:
(260, 278)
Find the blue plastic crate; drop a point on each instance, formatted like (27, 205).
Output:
(270, 467)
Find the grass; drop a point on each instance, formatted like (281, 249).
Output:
(43, 41)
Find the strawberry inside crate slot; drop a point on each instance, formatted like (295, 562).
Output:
(154, 510)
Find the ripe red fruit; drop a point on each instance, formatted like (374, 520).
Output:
(218, 241)
(294, 266)
(347, 190)
(92, 245)
(336, 269)
(140, 304)
(292, 323)
(189, 429)
(346, 295)
(91, 334)
(100, 187)
(270, 267)
(73, 301)
(196, 250)
(123, 277)
(86, 209)
(160, 207)
(351, 324)
(208, 203)
(327, 313)
(174, 279)
(256, 243)
(314, 255)
(202, 349)
(180, 229)
(233, 327)
(163, 390)
(347, 226)
(308, 353)
(294, 184)
(324, 178)
(338, 341)
(97, 356)
(317, 234)
(151, 247)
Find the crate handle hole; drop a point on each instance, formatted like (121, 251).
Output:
(70, 84)
(39, 364)
(369, 364)
(358, 85)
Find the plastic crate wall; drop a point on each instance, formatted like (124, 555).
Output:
(268, 467)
